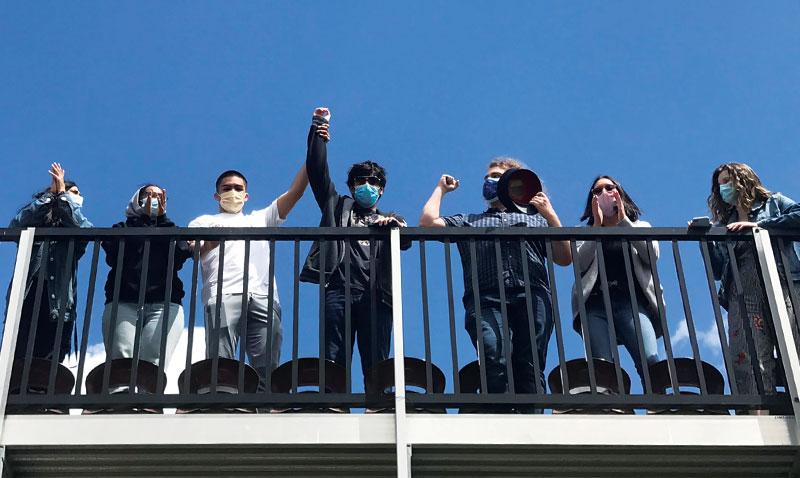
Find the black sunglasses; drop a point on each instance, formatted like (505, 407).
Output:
(373, 180)
(599, 189)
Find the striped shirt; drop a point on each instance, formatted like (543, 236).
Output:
(510, 253)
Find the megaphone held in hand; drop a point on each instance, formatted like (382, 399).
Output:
(515, 189)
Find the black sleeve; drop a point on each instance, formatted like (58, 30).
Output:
(317, 166)
(111, 246)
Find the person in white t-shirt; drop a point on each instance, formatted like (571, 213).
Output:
(262, 351)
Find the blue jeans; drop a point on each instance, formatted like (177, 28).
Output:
(624, 327)
(361, 329)
(519, 334)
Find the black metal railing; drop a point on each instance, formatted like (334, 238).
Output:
(451, 372)
(590, 384)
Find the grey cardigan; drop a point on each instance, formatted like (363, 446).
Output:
(641, 269)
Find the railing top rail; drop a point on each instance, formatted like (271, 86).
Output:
(579, 233)
(10, 235)
(412, 233)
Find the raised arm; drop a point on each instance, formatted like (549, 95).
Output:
(317, 158)
(287, 200)
(562, 254)
(430, 213)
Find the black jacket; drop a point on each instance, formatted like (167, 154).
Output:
(156, 268)
(336, 211)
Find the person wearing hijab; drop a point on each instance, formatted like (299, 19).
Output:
(147, 208)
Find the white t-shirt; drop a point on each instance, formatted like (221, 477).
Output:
(233, 274)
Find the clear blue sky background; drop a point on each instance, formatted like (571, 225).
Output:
(654, 94)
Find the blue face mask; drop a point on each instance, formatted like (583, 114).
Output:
(366, 195)
(728, 193)
(490, 190)
(153, 206)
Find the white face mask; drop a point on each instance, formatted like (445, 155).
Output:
(76, 200)
(232, 201)
(607, 203)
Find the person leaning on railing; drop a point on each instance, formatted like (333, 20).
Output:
(487, 276)
(231, 195)
(740, 202)
(147, 208)
(57, 206)
(609, 205)
(366, 182)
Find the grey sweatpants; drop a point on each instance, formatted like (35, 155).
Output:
(259, 349)
(121, 344)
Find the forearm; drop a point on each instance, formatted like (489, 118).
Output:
(317, 168)
(562, 252)
(288, 199)
(430, 212)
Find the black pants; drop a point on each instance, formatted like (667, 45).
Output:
(46, 328)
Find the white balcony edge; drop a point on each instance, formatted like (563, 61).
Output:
(321, 429)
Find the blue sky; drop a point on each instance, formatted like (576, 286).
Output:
(654, 94)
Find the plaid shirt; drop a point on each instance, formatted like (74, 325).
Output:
(510, 253)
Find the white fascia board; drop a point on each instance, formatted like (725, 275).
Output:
(608, 430)
(196, 429)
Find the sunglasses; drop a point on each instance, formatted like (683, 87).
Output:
(372, 180)
(599, 189)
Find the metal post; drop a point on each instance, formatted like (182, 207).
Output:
(780, 316)
(401, 432)
(15, 300)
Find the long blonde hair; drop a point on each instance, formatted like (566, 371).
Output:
(748, 189)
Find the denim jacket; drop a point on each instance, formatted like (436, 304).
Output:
(777, 212)
(58, 274)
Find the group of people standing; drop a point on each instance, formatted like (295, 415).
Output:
(737, 200)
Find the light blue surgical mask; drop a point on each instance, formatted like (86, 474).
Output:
(728, 193)
(76, 200)
(490, 190)
(366, 195)
(154, 207)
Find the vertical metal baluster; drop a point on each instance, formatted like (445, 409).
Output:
(747, 322)
(112, 326)
(626, 257)
(504, 315)
(348, 324)
(662, 314)
(87, 318)
(452, 316)
(33, 326)
(296, 315)
(62, 311)
(137, 338)
(243, 318)
(426, 329)
(373, 305)
(215, 327)
(187, 377)
(537, 366)
(612, 329)
(271, 315)
(162, 353)
(478, 316)
(322, 339)
(587, 346)
(687, 310)
(718, 317)
(562, 364)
